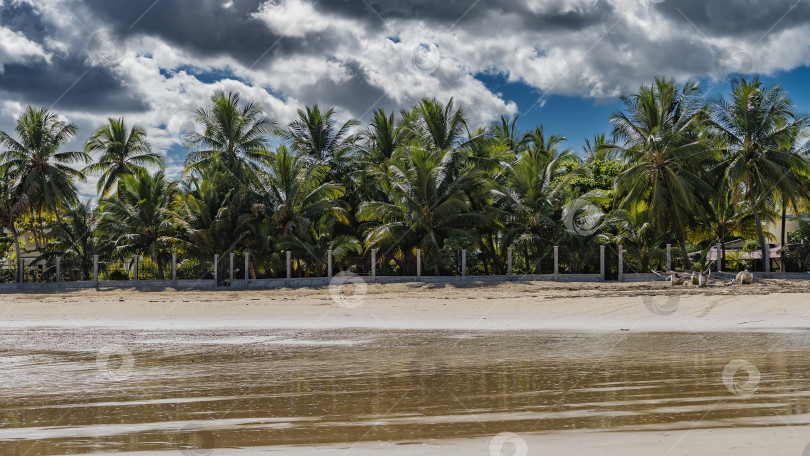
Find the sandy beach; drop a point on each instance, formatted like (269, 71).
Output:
(327, 330)
(768, 305)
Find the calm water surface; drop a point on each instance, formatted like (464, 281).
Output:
(73, 391)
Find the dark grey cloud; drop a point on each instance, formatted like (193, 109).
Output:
(735, 18)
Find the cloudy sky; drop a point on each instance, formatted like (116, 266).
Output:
(561, 63)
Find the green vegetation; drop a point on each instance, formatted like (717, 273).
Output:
(676, 169)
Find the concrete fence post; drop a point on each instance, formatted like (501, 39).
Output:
(95, 268)
(289, 264)
(601, 263)
(247, 265)
(669, 257)
(621, 264)
(418, 262)
(463, 263)
(174, 265)
(329, 263)
(719, 258)
(231, 258)
(373, 263)
(509, 261)
(216, 269)
(556, 263)
(135, 266)
(58, 268)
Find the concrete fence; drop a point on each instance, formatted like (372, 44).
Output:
(289, 281)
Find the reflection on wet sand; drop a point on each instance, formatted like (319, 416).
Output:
(206, 389)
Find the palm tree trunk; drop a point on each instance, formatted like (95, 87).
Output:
(17, 252)
(766, 254)
(160, 268)
(685, 254)
(783, 266)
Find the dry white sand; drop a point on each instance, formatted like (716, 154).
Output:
(768, 306)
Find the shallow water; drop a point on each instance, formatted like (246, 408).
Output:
(74, 391)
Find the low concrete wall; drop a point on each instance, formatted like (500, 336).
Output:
(641, 277)
(118, 284)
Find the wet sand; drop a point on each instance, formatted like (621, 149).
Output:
(580, 369)
(739, 442)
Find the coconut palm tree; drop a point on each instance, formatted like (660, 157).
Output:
(428, 203)
(35, 161)
(13, 204)
(234, 135)
(139, 219)
(123, 151)
(433, 126)
(533, 193)
(316, 134)
(756, 122)
(75, 239)
(664, 151)
(297, 198)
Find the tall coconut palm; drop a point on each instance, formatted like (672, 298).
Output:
(664, 151)
(428, 203)
(433, 126)
(317, 135)
(756, 122)
(123, 151)
(35, 160)
(234, 135)
(13, 204)
(139, 219)
(533, 193)
(297, 194)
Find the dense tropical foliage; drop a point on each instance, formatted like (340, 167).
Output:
(676, 169)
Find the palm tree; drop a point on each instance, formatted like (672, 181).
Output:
(122, 152)
(296, 196)
(433, 126)
(75, 239)
(211, 209)
(756, 122)
(13, 204)
(234, 135)
(139, 220)
(316, 134)
(35, 161)
(533, 193)
(664, 152)
(428, 203)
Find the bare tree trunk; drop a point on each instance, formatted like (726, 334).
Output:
(766, 253)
